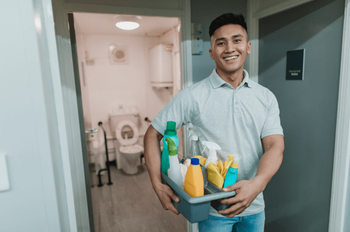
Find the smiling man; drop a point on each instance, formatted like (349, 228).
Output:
(238, 114)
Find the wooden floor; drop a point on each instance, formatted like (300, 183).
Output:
(130, 205)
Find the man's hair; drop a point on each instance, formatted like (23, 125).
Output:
(225, 19)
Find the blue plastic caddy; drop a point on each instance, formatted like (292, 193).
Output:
(196, 209)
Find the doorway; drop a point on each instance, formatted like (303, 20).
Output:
(111, 84)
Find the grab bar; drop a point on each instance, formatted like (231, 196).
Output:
(107, 161)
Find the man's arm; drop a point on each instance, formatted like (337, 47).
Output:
(152, 157)
(248, 190)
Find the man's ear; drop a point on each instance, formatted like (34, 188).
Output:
(211, 53)
(249, 47)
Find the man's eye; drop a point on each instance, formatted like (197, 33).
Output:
(237, 40)
(222, 43)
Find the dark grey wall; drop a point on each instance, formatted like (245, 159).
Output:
(298, 197)
(205, 11)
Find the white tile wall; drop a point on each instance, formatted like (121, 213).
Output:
(123, 83)
(127, 84)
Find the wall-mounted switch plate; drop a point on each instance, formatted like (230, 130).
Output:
(295, 64)
(197, 39)
(197, 44)
(4, 179)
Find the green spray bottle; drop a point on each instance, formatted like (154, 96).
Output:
(170, 132)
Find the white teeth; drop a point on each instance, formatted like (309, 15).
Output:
(231, 58)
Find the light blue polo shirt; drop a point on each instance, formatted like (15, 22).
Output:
(235, 119)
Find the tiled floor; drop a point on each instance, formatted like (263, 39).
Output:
(130, 205)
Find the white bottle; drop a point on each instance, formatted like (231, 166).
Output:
(213, 147)
(174, 171)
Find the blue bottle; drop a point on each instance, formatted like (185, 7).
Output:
(231, 175)
(170, 132)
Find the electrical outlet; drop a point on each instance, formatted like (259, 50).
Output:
(4, 179)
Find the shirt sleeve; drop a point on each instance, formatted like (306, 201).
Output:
(272, 125)
(177, 110)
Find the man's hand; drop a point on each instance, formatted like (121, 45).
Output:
(246, 192)
(165, 194)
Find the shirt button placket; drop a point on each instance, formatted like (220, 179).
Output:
(236, 104)
(233, 101)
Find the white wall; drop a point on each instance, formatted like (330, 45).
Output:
(114, 84)
(29, 133)
(109, 85)
(83, 81)
(39, 122)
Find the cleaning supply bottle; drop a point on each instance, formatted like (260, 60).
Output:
(213, 147)
(174, 171)
(194, 149)
(227, 165)
(231, 174)
(194, 183)
(170, 132)
(183, 171)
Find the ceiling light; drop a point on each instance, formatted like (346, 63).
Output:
(127, 25)
(127, 22)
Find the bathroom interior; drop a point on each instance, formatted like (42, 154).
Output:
(126, 77)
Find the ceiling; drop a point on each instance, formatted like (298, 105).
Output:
(91, 23)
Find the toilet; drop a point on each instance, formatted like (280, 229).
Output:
(124, 127)
(127, 135)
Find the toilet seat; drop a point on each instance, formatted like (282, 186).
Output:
(119, 136)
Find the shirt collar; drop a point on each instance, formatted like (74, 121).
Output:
(217, 82)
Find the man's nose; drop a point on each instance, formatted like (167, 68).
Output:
(230, 47)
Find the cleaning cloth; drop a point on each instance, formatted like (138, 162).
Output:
(217, 173)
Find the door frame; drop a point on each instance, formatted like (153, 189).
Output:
(74, 165)
(256, 10)
(341, 165)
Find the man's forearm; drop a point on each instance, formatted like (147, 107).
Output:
(153, 160)
(248, 190)
(271, 161)
(152, 154)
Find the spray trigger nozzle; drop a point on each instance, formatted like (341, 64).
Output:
(213, 147)
(204, 149)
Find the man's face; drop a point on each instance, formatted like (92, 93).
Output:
(229, 48)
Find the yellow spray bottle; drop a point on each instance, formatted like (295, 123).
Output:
(194, 183)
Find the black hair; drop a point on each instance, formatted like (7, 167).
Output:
(225, 19)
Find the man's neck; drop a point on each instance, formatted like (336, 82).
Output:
(234, 79)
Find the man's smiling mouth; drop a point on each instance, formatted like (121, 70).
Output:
(230, 58)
